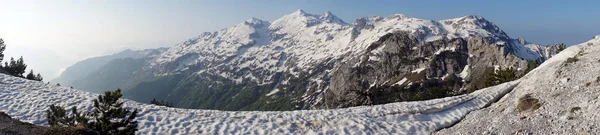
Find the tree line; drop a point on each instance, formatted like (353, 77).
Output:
(17, 67)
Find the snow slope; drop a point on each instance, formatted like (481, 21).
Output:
(567, 88)
(27, 100)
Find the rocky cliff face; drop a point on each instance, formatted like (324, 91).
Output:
(306, 61)
(400, 68)
(558, 97)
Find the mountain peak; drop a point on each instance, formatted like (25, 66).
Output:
(522, 41)
(399, 16)
(255, 22)
(475, 17)
(329, 17)
(470, 23)
(327, 13)
(300, 12)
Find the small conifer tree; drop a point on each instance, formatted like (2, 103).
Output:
(30, 75)
(39, 77)
(57, 116)
(501, 76)
(2, 48)
(16, 68)
(161, 103)
(561, 47)
(110, 116)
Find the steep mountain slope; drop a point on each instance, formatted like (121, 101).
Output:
(399, 68)
(558, 97)
(299, 61)
(27, 100)
(83, 74)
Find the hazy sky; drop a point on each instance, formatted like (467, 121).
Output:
(54, 34)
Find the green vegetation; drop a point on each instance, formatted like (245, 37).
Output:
(431, 93)
(57, 117)
(107, 118)
(207, 91)
(561, 47)
(31, 76)
(532, 65)
(2, 48)
(527, 102)
(16, 67)
(161, 103)
(501, 76)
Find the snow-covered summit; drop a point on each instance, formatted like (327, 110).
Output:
(329, 17)
(255, 22)
(328, 36)
(473, 26)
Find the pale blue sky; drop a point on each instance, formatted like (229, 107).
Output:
(54, 34)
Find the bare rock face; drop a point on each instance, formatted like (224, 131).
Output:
(558, 97)
(400, 68)
(485, 57)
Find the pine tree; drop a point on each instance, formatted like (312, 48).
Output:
(161, 103)
(107, 118)
(532, 65)
(2, 48)
(561, 47)
(20, 67)
(7, 66)
(16, 68)
(57, 117)
(501, 76)
(110, 116)
(30, 75)
(39, 77)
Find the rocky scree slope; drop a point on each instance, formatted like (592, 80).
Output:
(558, 97)
(302, 60)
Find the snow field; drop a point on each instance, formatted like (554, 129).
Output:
(27, 100)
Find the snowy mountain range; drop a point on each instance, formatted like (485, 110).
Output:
(308, 61)
(561, 98)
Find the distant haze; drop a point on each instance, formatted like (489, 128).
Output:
(52, 35)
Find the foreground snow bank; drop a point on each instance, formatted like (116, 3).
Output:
(27, 100)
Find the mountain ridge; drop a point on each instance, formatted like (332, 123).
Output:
(292, 59)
